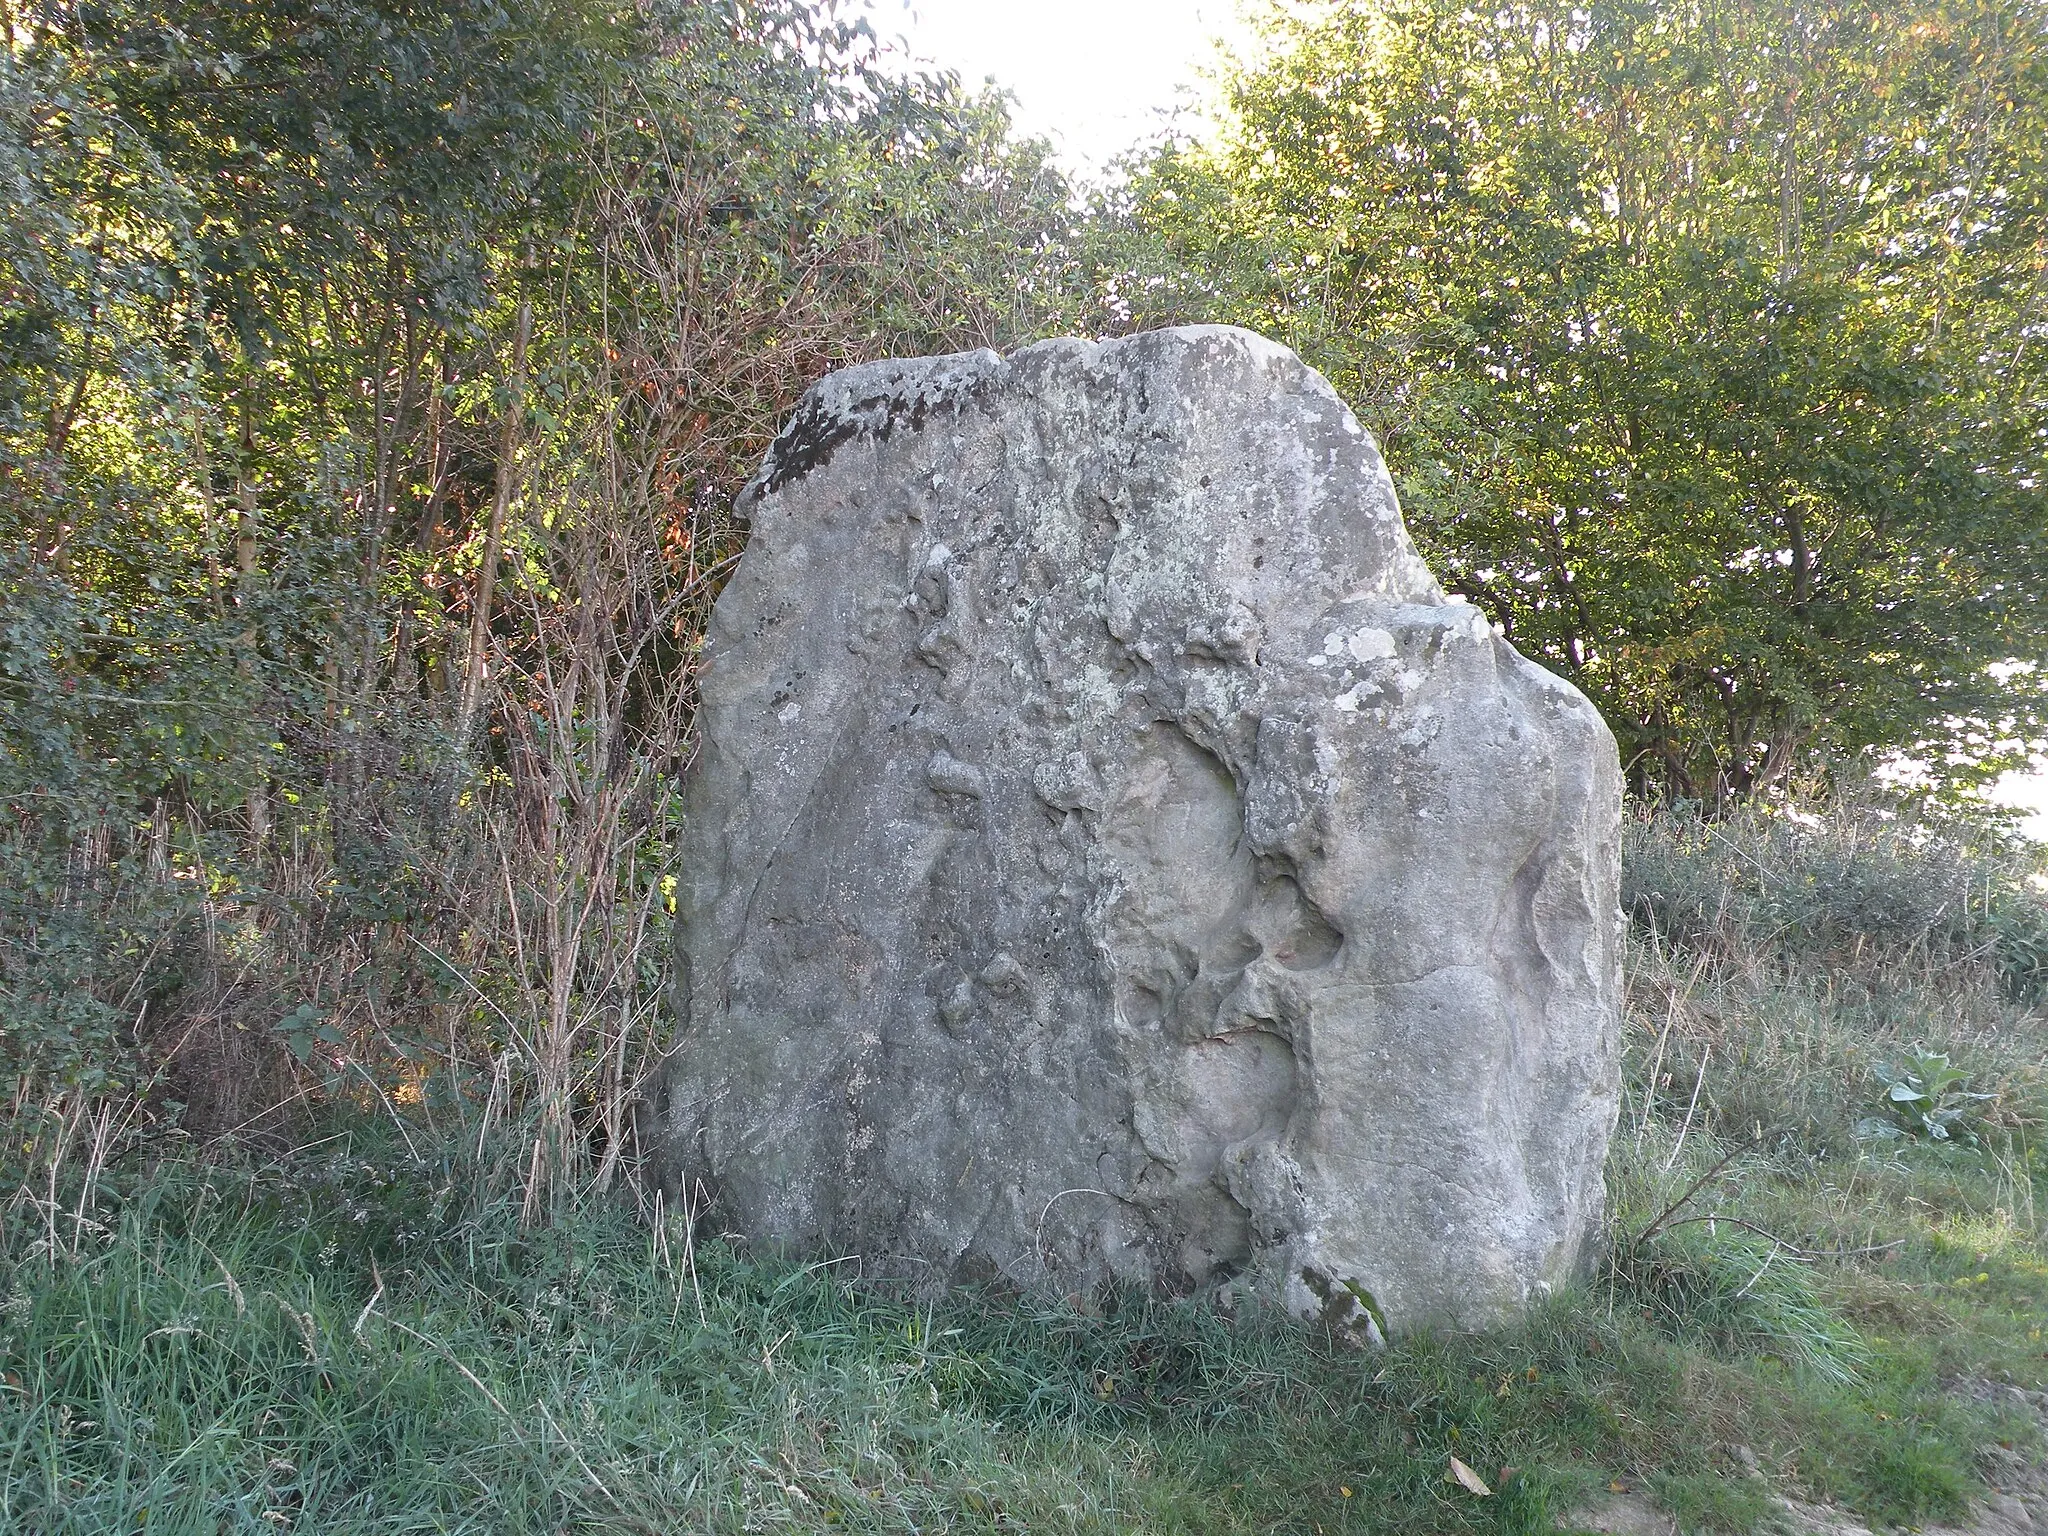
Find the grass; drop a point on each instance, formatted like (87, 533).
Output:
(359, 1339)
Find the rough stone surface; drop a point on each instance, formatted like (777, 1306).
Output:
(1111, 859)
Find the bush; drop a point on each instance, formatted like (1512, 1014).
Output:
(1848, 889)
(1730, 1288)
(1780, 968)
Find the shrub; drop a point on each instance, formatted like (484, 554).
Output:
(1730, 1288)
(1847, 889)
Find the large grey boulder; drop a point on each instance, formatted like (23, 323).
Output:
(1111, 857)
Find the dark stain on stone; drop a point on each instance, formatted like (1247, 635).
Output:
(816, 431)
(1344, 1303)
(1338, 1305)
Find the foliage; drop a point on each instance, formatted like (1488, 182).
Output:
(1731, 1286)
(1927, 1097)
(1700, 338)
(2019, 940)
(1843, 944)
(374, 382)
(201, 1338)
(1858, 883)
(374, 386)
(365, 1336)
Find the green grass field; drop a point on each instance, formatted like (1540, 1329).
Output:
(361, 1336)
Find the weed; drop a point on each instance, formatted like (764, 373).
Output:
(372, 1334)
(1926, 1097)
(1728, 1288)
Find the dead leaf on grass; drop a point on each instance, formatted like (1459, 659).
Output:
(1471, 1481)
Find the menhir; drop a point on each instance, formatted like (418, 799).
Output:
(1112, 860)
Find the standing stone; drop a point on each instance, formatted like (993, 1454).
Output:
(1112, 858)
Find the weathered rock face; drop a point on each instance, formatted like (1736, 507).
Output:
(1111, 857)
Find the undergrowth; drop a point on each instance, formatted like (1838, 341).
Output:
(373, 1333)
(366, 1344)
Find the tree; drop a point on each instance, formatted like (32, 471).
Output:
(1703, 338)
(375, 379)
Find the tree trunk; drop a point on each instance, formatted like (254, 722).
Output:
(247, 530)
(209, 511)
(494, 534)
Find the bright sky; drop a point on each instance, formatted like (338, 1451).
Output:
(1094, 76)
(2028, 792)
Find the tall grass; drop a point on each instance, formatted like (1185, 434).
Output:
(358, 1342)
(363, 1346)
(373, 1332)
(1776, 967)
